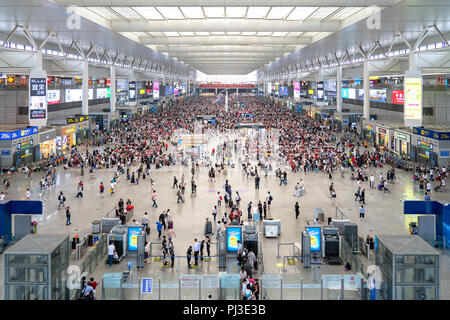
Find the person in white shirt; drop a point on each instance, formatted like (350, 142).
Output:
(28, 194)
(111, 250)
(372, 180)
(2, 196)
(145, 220)
(196, 248)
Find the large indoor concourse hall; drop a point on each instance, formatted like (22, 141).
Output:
(224, 150)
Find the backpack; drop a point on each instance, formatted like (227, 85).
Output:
(270, 198)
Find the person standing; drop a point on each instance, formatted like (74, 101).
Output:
(202, 247)
(170, 234)
(189, 256)
(269, 199)
(372, 181)
(257, 179)
(154, 197)
(111, 250)
(219, 199)
(145, 221)
(175, 182)
(196, 248)
(265, 210)
(208, 246)
(68, 216)
(358, 193)
(159, 228)
(251, 258)
(172, 254)
(238, 199)
(297, 210)
(102, 189)
(28, 194)
(362, 212)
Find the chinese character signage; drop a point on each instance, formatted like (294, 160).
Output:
(156, 90)
(297, 90)
(37, 98)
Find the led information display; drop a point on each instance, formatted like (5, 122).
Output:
(413, 101)
(38, 98)
(156, 90)
(297, 90)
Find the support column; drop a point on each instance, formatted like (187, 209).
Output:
(339, 89)
(216, 91)
(412, 59)
(112, 100)
(226, 101)
(39, 60)
(366, 83)
(85, 89)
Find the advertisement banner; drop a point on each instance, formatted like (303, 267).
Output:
(348, 93)
(234, 234)
(73, 95)
(156, 90)
(413, 99)
(398, 97)
(133, 233)
(374, 95)
(297, 90)
(315, 235)
(147, 285)
(37, 98)
(102, 93)
(269, 88)
(53, 96)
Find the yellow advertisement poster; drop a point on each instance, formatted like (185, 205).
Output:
(413, 99)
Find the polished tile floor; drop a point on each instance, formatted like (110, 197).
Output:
(384, 211)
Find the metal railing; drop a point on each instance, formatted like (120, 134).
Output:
(286, 244)
(340, 214)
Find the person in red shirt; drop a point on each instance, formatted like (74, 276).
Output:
(93, 283)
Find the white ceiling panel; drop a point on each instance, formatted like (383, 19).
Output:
(322, 13)
(294, 34)
(127, 12)
(171, 12)
(257, 12)
(221, 33)
(236, 12)
(201, 33)
(214, 12)
(104, 12)
(233, 33)
(301, 13)
(264, 33)
(248, 33)
(149, 13)
(193, 12)
(345, 13)
(187, 33)
(279, 12)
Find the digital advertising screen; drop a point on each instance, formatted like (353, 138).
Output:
(269, 88)
(156, 90)
(374, 95)
(133, 233)
(234, 234)
(175, 88)
(315, 235)
(91, 94)
(183, 88)
(37, 98)
(398, 97)
(311, 91)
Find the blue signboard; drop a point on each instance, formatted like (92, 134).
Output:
(431, 134)
(234, 234)
(18, 133)
(147, 285)
(133, 233)
(314, 234)
(299, 108)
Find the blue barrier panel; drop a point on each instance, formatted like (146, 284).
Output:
(9, 207)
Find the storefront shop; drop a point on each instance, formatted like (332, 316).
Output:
(66, 138)
(19, 148)
(47, 144)
(402, 142)
(82, 127)
(431, 147)
(383, 137)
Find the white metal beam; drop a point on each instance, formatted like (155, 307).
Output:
(223, 40)
(226, 48)
(221, 3)
(230, 25)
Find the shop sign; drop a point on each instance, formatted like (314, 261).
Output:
(369, 127)
(25, 144)
(413, 99)
(425, 145)
(18, 133)
(352, 281)
(77, 119)
(401, 136)
(381, 130)
(37, 97)
(67, 130)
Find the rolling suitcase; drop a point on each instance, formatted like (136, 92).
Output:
(208, 228)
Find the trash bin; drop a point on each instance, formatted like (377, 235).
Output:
(96, 226)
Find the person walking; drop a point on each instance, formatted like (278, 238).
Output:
(358, 193)
(196, 248)
(145, 221)
(162, 218)
(269, 199)
(297, 210)
(257, 179)
(62, 199)
(362, 212)
(219, 199)
(28, 194)
(68, 216)
(372, 181)
(214, 213)
(80, 191)
(208, 246)
(102, 189)
(154, 197)
(362, 196)
(249, 210)
(175, 182)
